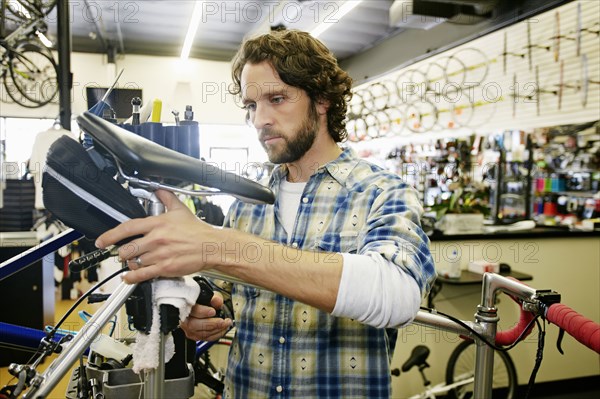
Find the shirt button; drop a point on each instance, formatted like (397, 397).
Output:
(281, 340)
(305, 200)
(294, 245)
(279, 388)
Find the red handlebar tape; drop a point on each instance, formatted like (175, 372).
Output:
(579, 327)
(508, 337)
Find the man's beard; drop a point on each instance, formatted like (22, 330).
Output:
(298, 144)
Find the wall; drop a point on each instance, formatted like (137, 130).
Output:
(200, 83)
(489, 84)
(413, 45)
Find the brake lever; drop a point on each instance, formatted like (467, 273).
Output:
(561, 334)
(206, 294)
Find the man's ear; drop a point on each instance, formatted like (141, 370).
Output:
(322, 106)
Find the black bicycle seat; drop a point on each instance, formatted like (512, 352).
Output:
(418, 357)
(154, 162)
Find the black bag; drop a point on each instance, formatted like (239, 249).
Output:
(82, 195)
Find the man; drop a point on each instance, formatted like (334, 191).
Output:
(340, 255)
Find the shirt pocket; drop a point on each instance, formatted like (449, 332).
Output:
(343, 242)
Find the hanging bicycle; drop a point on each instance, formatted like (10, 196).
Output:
(27, 68)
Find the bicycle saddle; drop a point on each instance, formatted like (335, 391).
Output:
(417, 357)
(148, 160)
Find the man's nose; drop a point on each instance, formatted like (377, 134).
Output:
(262, 117)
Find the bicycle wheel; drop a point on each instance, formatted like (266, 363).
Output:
(35, 8)
(10, 94)
(34, 73)
(461, 365)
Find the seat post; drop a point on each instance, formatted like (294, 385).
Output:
(154, 380)
(422, 368)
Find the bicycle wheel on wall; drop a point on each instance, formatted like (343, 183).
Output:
(10, 95)
(461, 365)
(34, 73)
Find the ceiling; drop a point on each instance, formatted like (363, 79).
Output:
(159, 27)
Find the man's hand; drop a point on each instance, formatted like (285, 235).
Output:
(170, 245)
(202, 325)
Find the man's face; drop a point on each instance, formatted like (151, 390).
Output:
(284, 116)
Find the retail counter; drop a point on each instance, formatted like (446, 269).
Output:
(557, 259)
(538, 232)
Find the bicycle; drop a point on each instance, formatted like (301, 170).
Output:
(460, 373)
(206, 371)
(27, 68)
(111, 207)
(146, 166)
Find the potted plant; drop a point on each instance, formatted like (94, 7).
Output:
(464, 210)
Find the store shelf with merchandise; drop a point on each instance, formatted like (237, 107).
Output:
(496, 177)
(566, 191)
(477, 128)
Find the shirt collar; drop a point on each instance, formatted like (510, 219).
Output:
(339, 169)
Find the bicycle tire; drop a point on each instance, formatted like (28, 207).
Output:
(462, 363)
(24, 72)
(46, 5)
(15, 95)
(39, 8)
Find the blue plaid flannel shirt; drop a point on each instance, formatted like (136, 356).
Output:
(285, 349)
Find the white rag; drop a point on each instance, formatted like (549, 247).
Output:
(181, 293)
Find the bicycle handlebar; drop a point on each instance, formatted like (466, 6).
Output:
(576, 325)
(510, 336)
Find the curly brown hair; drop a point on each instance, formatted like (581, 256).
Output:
(304, 62)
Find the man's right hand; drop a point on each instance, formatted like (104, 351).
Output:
(202, 325)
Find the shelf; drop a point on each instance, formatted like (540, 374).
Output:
(589, 193)
(571, 171)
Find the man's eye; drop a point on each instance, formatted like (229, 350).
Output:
(277, 100)
(250, 107)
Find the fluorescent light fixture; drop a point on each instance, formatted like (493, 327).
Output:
(191, 32)
(47, 42)
(344, 9)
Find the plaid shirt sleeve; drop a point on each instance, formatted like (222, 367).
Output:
(393, 229)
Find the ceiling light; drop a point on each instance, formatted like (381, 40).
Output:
(47, 42)
(344, 9)
(191, 32)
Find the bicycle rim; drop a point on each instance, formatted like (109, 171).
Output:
(39, 8)
(10, 95)
(461, 365)
(34, 74)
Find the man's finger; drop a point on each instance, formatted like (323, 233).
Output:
(126, 229)
(170, 200)
(141, 274)
(202, 312)
(216, 301)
